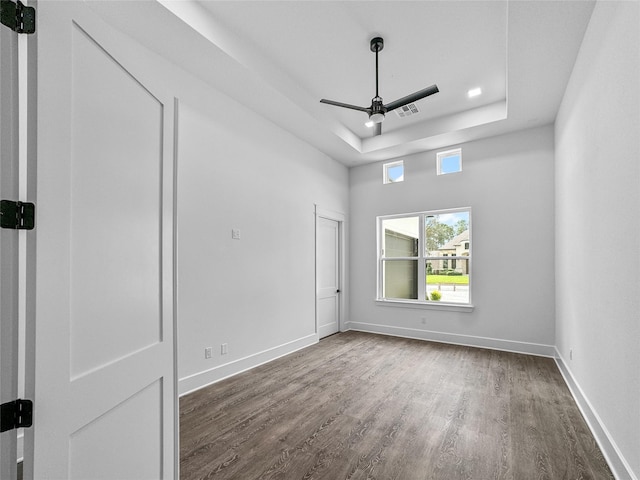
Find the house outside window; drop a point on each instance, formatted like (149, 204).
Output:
(425, 257)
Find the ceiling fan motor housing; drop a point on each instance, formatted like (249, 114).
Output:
(377, 110)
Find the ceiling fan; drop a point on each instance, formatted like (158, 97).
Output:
(377, 110)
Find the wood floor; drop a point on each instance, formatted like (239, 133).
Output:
(364, 406)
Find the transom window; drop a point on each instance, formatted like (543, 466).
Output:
(393, 172)
(449, 161)
(425, 257)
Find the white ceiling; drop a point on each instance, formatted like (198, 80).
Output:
(279, 58)
(325, 48)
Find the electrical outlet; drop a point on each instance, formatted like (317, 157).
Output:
(235, 234)
(224, 349)
(423, 320)
(208, 352)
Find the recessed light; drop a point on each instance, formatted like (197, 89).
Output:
(369, 124)
(474, 92)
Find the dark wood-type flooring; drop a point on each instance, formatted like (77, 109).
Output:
(364, 406)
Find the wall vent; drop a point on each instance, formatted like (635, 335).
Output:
(407, 110)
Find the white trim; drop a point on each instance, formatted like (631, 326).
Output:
(451, 307)
(330, 214)
(175, 239)
(616, 461)
(203, 379)
(20, 446)
(514, 346)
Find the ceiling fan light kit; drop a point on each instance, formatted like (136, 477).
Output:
(376, 117)
(378, 109)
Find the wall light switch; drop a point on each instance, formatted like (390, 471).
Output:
(207, 352)
(235, 234)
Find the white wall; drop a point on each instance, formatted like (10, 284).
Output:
(257, 294)
(235, 170)
(508, 182)
(598, 230)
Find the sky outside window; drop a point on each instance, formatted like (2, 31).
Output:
(449, 162)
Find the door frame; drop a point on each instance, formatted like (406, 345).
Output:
(340, 218)
(9, 243)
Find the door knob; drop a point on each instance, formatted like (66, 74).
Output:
(338, 291)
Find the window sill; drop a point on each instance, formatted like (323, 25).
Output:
(451, 307)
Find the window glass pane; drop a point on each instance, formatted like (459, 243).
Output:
(400, 237)
(450, 164)
(400, 279)
(396, 173)
(447, 234)
(447, 284)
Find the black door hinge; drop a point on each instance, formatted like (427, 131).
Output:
(17, 215)
(16, 414)
(17, 16)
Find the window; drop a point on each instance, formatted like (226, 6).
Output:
(449, 161)
(393, 172)
(425, 257)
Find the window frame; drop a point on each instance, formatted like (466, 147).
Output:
(447, 153)
(422, 258)
(385, 171)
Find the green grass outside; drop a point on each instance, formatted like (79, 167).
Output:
(448, 279)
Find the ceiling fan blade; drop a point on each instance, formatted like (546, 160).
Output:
(425, 92)
(345, 105)
(378, 129)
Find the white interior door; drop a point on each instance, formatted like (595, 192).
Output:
(103, 385)
(328, 258)
(8, 241)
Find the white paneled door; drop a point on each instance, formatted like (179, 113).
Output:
(102, 297)
(8, 241)
(328, 276)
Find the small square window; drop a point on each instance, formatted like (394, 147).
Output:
(393, 172)
(449, 161)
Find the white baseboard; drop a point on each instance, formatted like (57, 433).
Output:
(202, 379)
(457, 339)
(619, 466)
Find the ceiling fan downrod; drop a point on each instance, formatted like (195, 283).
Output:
(377, 44)
(377, 107)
